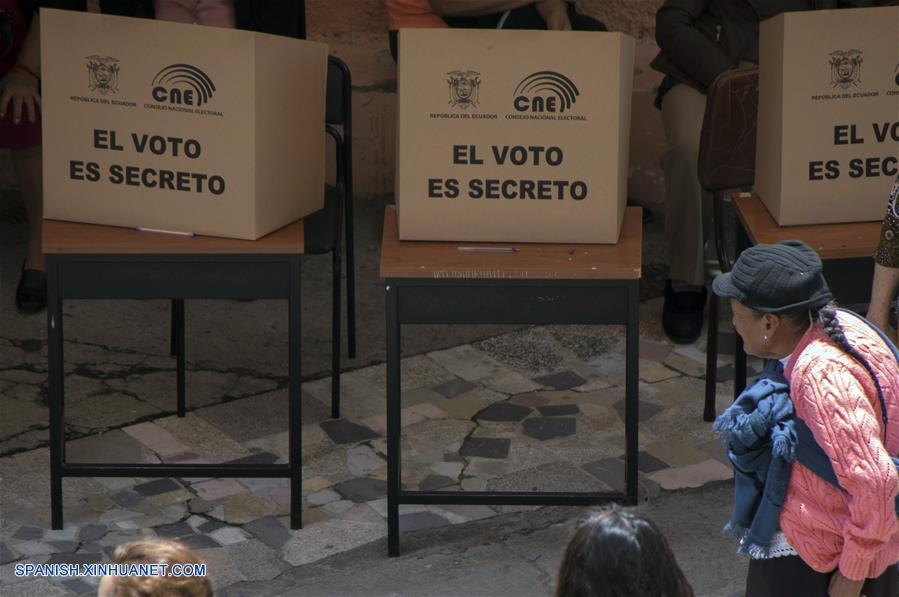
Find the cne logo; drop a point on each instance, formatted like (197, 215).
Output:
(182, 84)
(896, 75)
(545, 91)
(845, 68)
(103, 74)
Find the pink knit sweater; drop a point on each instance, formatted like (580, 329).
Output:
(835, 396)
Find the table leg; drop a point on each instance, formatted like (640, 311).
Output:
(739, 353)
(56, 382)
(394, 424)
(631, 392)
(178, 339)
(739, 367)
(711, 359)
(173, 333)
(294, 409)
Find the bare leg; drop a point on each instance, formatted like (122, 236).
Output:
(883, 293)
(27, 164)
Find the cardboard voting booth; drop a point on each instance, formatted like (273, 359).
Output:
(180, 127)
(513, 136)
(828, 128)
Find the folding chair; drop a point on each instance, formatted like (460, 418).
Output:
(322, 232)
(323, 228)
(726, 161)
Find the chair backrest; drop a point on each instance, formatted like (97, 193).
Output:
(339, 88)
(339, 112)
(727, 141)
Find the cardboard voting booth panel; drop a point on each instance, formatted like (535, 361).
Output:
(180, 127)
(828, 128)
(513, 136)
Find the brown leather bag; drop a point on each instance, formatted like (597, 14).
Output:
(727, 141)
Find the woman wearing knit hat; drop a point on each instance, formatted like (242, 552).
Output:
(816, 484)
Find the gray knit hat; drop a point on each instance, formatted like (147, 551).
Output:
(786, 276)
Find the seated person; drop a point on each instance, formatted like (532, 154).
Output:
(277, 17)
(699, 40)
(555, 15)
(216, 13)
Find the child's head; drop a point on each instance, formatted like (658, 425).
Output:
(155, 551)
(619, 553)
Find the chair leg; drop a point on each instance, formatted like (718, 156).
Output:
(178, 318)
(335, 335)
(711, 360)
(350, 281)
(724, 262)
(740, 354)
(739, 367)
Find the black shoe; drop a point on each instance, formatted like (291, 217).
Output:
(682, 314)
(31, 293)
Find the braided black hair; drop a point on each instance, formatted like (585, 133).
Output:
(828, 318)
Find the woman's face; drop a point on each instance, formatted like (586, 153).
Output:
(754, 330)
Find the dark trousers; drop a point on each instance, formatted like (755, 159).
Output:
(525, 17)
(791, 577)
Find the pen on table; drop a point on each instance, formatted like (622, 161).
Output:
(140, 229)
(487, 249)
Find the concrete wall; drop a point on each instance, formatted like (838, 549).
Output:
(356, 30)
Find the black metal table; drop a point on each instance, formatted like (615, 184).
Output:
(435, 283)
(99, 262)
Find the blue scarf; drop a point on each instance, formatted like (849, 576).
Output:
(758, 429)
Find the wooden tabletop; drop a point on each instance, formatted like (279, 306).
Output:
(831, 241)
(76, 238)
(530, 261)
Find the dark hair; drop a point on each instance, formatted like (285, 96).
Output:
(827, 316)
(619, 553)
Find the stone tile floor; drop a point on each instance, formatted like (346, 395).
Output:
(537, 409)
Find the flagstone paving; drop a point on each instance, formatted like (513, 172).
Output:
(536, 409)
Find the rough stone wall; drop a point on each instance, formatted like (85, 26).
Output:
(634, 17)
(356, 31)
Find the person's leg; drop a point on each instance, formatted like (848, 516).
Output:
(683, 109)
(582, 22)
(179, 11)
(31, 291)
(216, 13)
(687, 215)
(27, 166)
(527, 17)
(786, 576)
